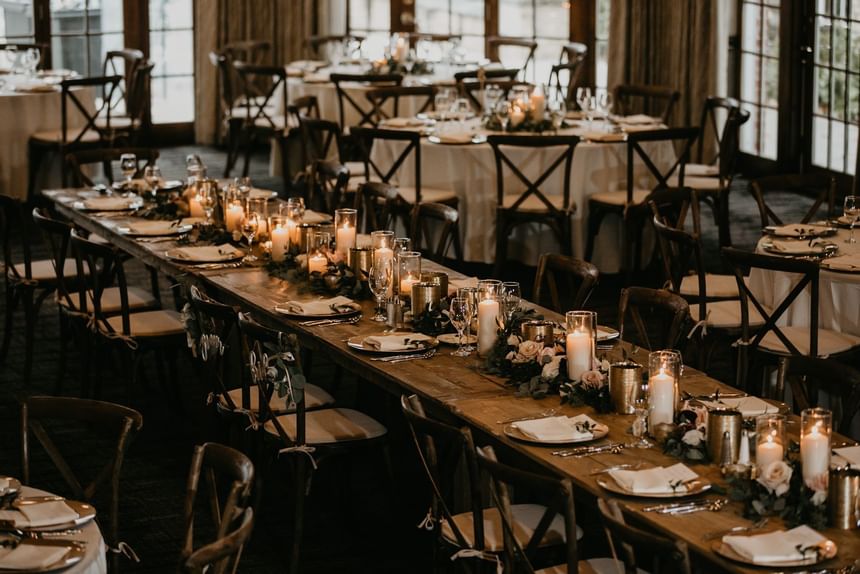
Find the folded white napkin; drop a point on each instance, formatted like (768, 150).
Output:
(403, 342)
(109, 203)
(205, 253)
(144, 227)
(559, 428)
(402, 123)
(455, 137)
(42, 514)
(316, 307)
(658, 480)
(796, 229)
(747, 406)
(843, 262)
(778, 546)
(701, 170)
(32, 558)
(796, 247)
(851, 454)
(604, 136)
(638, 119)
(316, 78)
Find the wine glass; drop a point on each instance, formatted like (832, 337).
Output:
(470, 294)
(851, 209)
(557, 110)
(250, 224)
(295, 208)
(492, 95)
(511, 297)
(641, 409)
(207, 197)
(503, 114)
(244, 185)
(604, 104)
(442, 102)
(583, 96)
(152, 175)
(12, 58)
(128, 167)
(30, 60)
(379, 281)
(194, 168)
(459, 315)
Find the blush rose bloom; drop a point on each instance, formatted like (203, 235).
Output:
(693, 437)
(529, 349)
(592, 379)
(513, 340)
(546, 354)
(550, 369)
(776, 477)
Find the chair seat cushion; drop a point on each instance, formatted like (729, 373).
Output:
(56, 136)
(43, 270)
(698, 183)
(619, 198)
(701, 170)
(526, 518)
(111, 303)
(829, 342)
(428, 195)
(160, 323)
(591, 566)
(723, 286)
(727, 314)
(534, 204)
(330, 426)
(315, 397)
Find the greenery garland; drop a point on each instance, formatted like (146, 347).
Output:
(491, 122)
(339, 278)
(687, 439)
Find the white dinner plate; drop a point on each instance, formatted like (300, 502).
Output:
(600, 431)
(698, 487)
(109, 204)
(192, 255)
(357, 343)
(789, 248)
(154, 228)
(75, 554)
(726, 551)
(452, 339)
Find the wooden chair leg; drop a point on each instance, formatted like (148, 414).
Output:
(300, 491)
(29, 330)
(249, 141)
(595, 218)
(501, 244)
(61, 361)
(9, 321)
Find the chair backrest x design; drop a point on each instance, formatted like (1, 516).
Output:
(261, 107)
(646, 145)
(658, 101)
(366, 137)
(576, 276)
(449, 235)
(820, 187)
(673, 311)
(810, 376)
(345, 98)
(74, 102)
(423, 96)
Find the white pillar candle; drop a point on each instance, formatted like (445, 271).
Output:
(293, 232)
(578, 349)
(280, 240)
(318, 263)
(518, 116)
(345, 239)
(662, 402)
(768, 451)
(488, 311)
(814, 454)
(234, 216)
(194, 207)
(538, 104)
(383, 254)
(406, 285)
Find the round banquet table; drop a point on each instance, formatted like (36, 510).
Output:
(94, 561)
(839, 292)
(23, 113)
(470, 170)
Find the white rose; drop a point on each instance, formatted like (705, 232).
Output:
(546, 354)
(776, 477)
(518, 358)
(819, 498)
(530, 349)
(693, 437)
(592, 379)
(550, 369)
(513, 340)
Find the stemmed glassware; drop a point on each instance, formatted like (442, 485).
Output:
(503, 113)
(30, 60)
(586, 103)
(128, 167)
(511, 297)
(640, 423)
(250, 225)
(295, 208)
(379, 281)
(493, 94)
(557, 110)
(152, 176)
(470, 295)
(207, 196)
(459, 315)
(604, 104)
(851, 208)
(442, 102)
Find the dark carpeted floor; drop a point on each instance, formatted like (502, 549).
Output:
(364, 528)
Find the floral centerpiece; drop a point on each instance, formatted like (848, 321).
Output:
(686, 438)
(528, 125)
(338, 278)
(393, 66)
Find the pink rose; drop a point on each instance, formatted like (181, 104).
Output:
(776, 477)
(546, 354)
(530, 349)
(592, 379)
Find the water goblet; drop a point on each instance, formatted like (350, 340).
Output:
(470, 294)
(128, 167)
(459, 315)
(511, 297)
(503, 114)
(851, 209)
(379, 281)
(640, 423)
(152, 176)
(250, 224)
(557, 110)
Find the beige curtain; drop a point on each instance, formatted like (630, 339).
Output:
(668, 42)
(283, 23)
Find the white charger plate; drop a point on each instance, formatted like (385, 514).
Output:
(699, 487)
(726, 551)
(357, 343)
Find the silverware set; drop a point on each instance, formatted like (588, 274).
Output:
(337, 321)
(736, 530)
(715, 396)
(583, 451)
(679, 508)
(542, 415)
(634, 466)
(401, 358)
(211, 266)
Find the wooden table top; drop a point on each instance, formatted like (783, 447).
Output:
(456, 388)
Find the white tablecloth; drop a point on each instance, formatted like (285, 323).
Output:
(839, 293)
(470, 170)
(21, 115)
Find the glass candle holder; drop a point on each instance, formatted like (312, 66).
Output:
(409, 272)
(399, 245)
(770, 440)
(664, 372)
(345, 230)
(234, 215)
(260, 207)
(580, 342)
(489, 308)
(280, 233)
(815, 432)
(382, 243)
(318, 248)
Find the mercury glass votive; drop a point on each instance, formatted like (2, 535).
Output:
(580, 342)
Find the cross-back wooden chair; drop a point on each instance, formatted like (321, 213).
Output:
(408, 196)
(444, 220)
(570, 63)
(634, 545)
(310, 437)
(226, 550)
(123, 63)
(232, 110)
(712, 125)
(130, 125)
(106, 158)
(330, 188)
(491, 75)
(774, 341)
(573, 275)
(415, 37)
(219, 466)
(379, 97)
(810, 377)
(378, 205)
(654, 100)
(530, 202)
(345, 98)
(821, 188)
(265, 116)
(659, 305)
(94, 121)
(473, 90)
(106, 420)
(252, 51)
(495, 44)
(631, 204)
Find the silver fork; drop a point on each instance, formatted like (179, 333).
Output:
(757, 525)
(400, 358)
(321, 322)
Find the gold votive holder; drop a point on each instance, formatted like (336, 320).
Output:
(720, 422)
(540, 331)
(360, 260)
(425, 296)
(624, 385)
(305, 231)
(439, 278)
(844, 498)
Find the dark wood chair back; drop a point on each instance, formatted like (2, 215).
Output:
(574, 275)
(443, 451)
(226, 86)
(715, 115)
(15, 231)
(379, 97)
(122, 63)
(570, 64)
(87, 118)
(330, 181)
(821, 188)
(138, 98)
(260, 103)
(77, 160)
(415, 37)
(303, 107)
(810, 377)
(344, 98)
(227, 550)
(657, 101)
(638, 147)
(495, 43)
(253, 52)
(559, 493)
(377, 205)
(218, 465)
(57, 234)
(505, 165)
(446, 220)
(495, 75)
(632, 545)
(366, 137)
(110, 421)
(657, 304)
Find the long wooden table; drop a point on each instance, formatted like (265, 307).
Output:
(458, 389)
